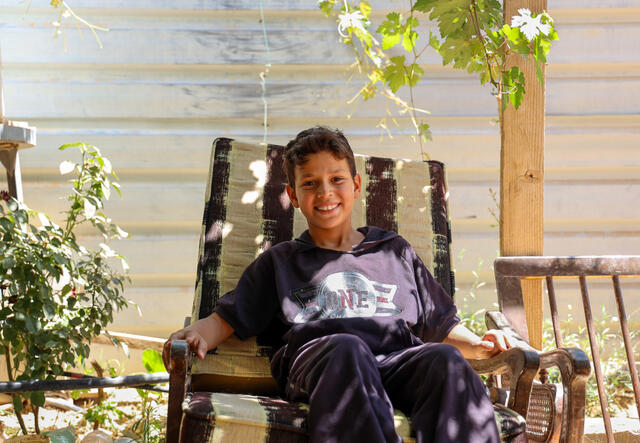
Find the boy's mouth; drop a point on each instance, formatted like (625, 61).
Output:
(327, 208)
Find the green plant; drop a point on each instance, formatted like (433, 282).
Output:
(105, 414)
(55, 293)
(615, 369)
(150, 427)
(473, 320)
(471, 35)
(101, 413)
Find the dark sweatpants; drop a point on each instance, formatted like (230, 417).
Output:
(350, 392)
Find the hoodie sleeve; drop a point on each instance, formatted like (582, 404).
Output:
(439, 312)
(251, 306)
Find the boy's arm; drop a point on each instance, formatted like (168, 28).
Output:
(203, 335)
(473, 347)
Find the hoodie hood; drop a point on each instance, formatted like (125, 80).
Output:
(372, 236)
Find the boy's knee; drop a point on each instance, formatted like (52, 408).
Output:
(448, 352)
(445, 358)
(348, 347)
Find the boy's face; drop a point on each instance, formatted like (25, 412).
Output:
(324, 191)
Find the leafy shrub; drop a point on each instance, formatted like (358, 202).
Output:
(55, 293)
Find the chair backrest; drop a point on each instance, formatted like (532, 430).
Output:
(247, 210)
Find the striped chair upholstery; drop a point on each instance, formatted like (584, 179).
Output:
(246, 211)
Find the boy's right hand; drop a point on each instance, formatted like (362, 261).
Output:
(195, 341)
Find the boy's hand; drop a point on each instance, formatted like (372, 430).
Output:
(494, 342)
(195, 341)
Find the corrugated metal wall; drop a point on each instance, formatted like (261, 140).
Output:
(173, 75)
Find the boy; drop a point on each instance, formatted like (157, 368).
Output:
(366, 324)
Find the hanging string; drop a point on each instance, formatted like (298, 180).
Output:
(263, 76)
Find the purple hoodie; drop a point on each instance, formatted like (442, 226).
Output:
(380, 291)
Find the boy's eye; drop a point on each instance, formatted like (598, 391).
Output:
(338, 179)
(307, 183)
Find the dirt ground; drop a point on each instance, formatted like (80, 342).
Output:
(123, 413)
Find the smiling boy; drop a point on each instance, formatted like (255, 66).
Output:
(367, 327)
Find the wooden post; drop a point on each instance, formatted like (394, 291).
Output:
(522, 176)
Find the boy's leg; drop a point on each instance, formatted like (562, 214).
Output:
(445, 398)
(339, 377)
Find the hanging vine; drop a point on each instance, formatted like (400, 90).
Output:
(263, 78)
(65, 12)
(470, 35)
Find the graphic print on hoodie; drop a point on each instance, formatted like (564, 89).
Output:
(344, 295)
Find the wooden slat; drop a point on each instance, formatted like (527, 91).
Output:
(317, 99)
(179, 202)
(198, 39)
(278, 5)
(569, 175)
(196, 5)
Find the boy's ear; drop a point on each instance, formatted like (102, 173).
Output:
(357, 184)
(292, 196)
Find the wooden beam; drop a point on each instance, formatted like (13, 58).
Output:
(522, 176)
(131, 340)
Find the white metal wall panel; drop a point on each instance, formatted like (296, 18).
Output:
(173, 75)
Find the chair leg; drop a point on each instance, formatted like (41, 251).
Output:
(177, 388)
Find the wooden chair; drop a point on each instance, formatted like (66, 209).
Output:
(231, 396)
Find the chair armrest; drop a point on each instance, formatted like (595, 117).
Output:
(178, 383)
(522, 364)
(572, 362)
(497, 320)
(575, 368)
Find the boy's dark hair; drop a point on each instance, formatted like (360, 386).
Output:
(313, 140)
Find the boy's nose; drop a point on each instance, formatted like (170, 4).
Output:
(324, 189)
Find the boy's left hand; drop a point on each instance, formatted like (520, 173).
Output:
(494, 342)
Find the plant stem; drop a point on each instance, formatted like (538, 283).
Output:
(476, 24)
(8, 361)
(7, 357)
(23, 427)
(412, 111)
(36, 417)
(71, 220)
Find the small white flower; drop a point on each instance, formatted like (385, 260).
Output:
(353, 19)
(108, 252)
(125, 265)
(66, 167)
(89, 210)
(107, 166)
(530, 26)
